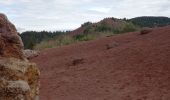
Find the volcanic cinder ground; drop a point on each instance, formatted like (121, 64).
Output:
(123, 67)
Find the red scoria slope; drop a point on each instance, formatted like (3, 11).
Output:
(123, 67)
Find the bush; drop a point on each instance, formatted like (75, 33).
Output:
(129, 27)
(86, 24)
(83, 37)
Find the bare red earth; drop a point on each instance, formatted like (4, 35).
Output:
(123, 67)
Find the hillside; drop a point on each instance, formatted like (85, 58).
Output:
(114, 25)
(89, 31)
(107, 25)
(123, 67)
(150, 21)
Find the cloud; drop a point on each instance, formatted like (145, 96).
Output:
(70, 14)
(100, 9)
(20, 30)
(6, 2)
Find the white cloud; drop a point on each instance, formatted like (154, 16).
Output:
(69, 14)
(100, 9)
(6, 2)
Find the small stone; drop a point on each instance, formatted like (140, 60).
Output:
(145, 31)
(30, 53)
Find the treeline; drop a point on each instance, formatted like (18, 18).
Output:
(31, 38)
(150, 21)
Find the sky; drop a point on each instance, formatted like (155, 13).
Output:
(52, 15)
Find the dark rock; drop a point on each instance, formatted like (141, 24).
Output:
(145, 31)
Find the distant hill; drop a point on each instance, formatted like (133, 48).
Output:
(112, 25)
(150, 21)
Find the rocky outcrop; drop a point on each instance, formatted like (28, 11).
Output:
(19, 79)
(31, 53)
(10, 42)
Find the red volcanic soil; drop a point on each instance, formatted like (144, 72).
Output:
(122, 67)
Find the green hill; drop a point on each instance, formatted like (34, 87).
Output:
(107, 25)
(150, 21)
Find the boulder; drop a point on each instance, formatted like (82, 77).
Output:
(19, 79)
(10, 42)
(31, 53)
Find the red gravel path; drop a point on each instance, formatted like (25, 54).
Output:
(123, 67)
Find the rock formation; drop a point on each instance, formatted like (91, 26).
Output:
(30, 53)
(145, 30)
(19, 79)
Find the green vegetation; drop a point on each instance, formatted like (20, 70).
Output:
(63, 40)
(106, 28)
(84, 37)
(31, 38)
(150, 21)
(86, 24)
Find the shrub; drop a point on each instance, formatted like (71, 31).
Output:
(84, 37)
(86, 24)
(129, 27)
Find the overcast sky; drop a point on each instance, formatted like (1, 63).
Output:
(53, 15)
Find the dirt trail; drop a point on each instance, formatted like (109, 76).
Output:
(123, 67)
